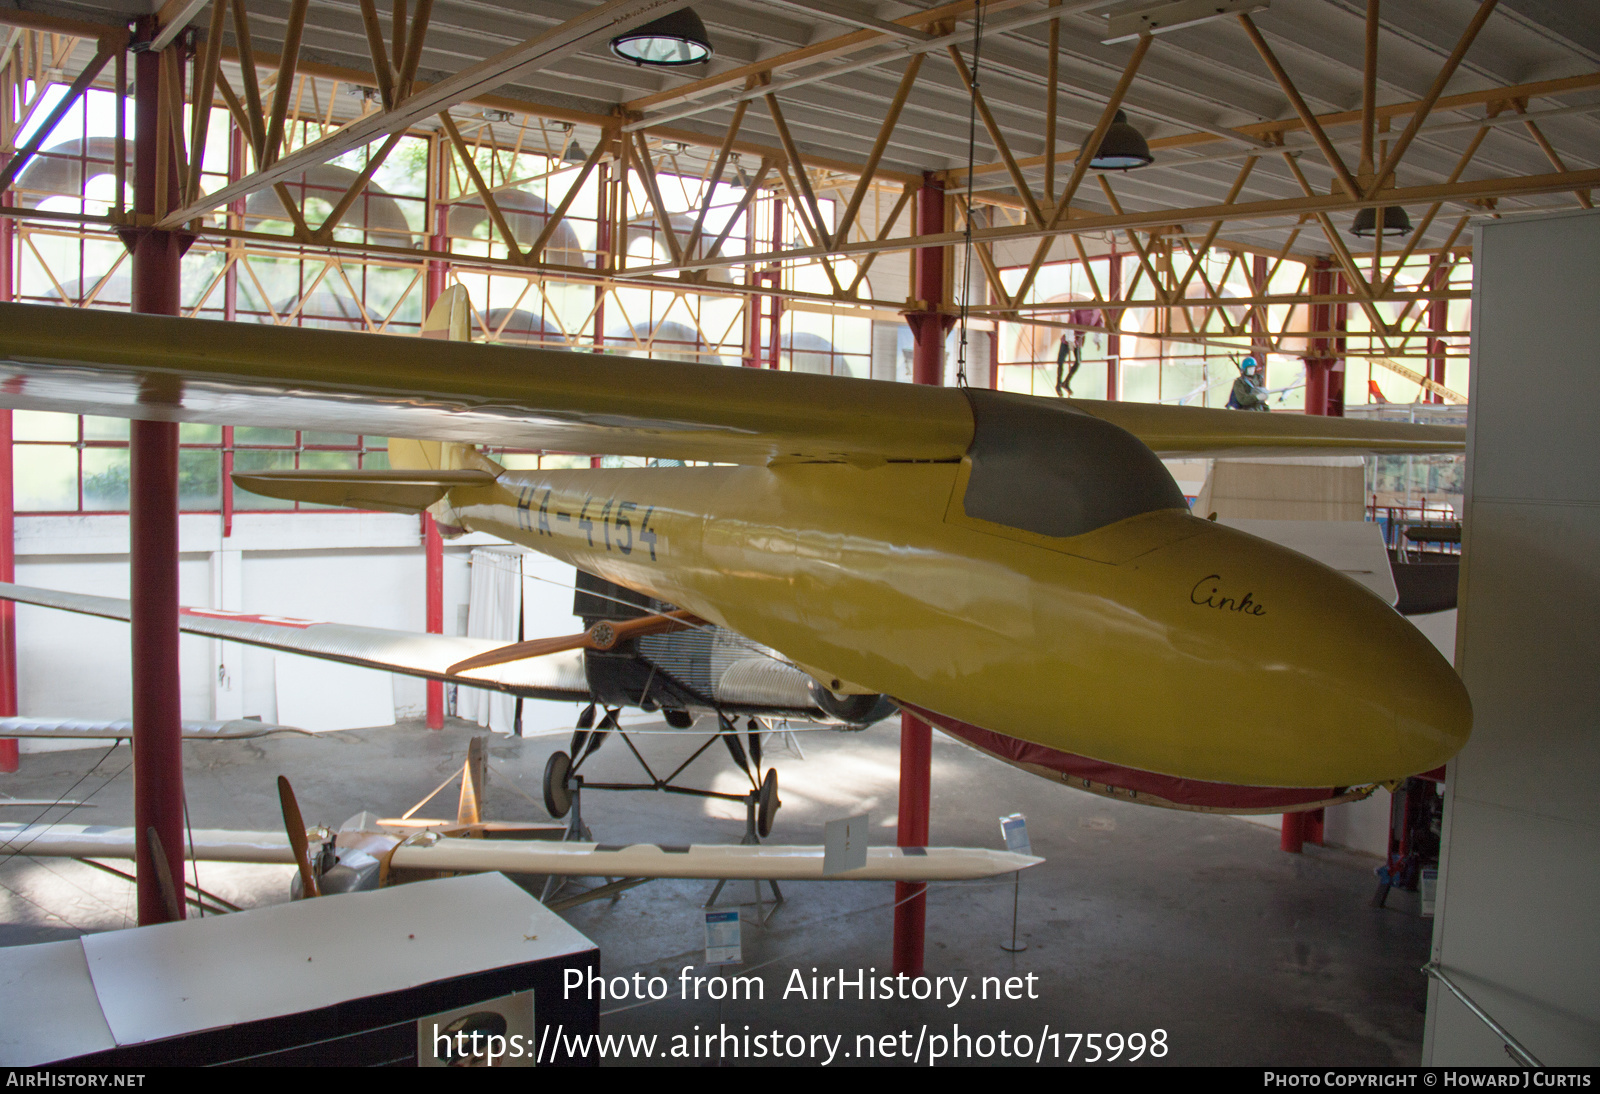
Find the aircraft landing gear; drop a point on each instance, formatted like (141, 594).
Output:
(561, 770)
(767, 803)
(557, 794)
(760, 807)
(564, 791)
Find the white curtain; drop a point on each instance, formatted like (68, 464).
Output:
(494, 604)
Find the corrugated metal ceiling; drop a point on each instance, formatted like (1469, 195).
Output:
(1206, 78)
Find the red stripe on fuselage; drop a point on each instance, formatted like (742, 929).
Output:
(1184, 792)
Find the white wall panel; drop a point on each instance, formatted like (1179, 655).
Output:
(78, 666)
(1520, 867)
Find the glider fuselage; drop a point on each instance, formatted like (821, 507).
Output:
(1160, 641)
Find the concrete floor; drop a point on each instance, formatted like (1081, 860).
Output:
(1139, 920)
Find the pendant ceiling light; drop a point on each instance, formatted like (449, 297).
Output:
(1395, 222)
(670, 41)
(1123, 148)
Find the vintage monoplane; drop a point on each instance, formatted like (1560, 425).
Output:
(1020, 572)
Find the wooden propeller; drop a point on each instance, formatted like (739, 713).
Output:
(604, 635)
(295, 825)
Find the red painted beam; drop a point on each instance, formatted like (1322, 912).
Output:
(9, 760)
(432, 542)
(1319, 352)
(1293, 836)
(153, 520)
(910, 897)
(928, 328)
(1438, 323)
(1113, 322)
(433, 550)
(1325, 396)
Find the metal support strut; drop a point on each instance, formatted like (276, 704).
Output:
(752, 838)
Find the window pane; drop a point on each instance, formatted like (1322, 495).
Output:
(46, 477)
(199, 433)
(375, 461)
(346, 440)
(105, 478)
(43, 425)
(199, 479)
(254, 434)
(104, 429)
(328, 461)
(260, 460)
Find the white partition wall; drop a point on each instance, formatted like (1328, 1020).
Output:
(1518, 926)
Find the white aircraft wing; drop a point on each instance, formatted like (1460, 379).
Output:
(103, 841)
(83, 729)
(762, 862)
(640, 860)
(751, 680)
(558, 676)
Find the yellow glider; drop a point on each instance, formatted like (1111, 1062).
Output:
(1022, 565)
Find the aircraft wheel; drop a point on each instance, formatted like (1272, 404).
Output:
(557, 795)
(767, 804)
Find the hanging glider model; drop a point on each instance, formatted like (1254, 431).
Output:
(1020, 572)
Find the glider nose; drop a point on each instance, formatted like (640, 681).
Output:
(1316, 680)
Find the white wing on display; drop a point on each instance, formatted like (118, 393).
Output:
(84, 729)
(744, 677)
(759, 862)
(555, 676)
(103, 841)
(640, 860)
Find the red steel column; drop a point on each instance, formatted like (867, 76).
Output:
(1324, 395)
(153, 520)
(928, 327)
(9, 760)
(432, 542)
(1293, 835)
(1341, 321)
(772, 350)
(1258, 329)
(1113, 320)
(433, 550)
(1439, 323)
(1319, 349)
(602, 248)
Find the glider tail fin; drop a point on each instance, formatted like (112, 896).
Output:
(448, 319)
(420, 473)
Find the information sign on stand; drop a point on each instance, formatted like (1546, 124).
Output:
(1014, 827)
(1015, 830)
(722, 939)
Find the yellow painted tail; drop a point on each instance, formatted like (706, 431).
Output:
(449, 319)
